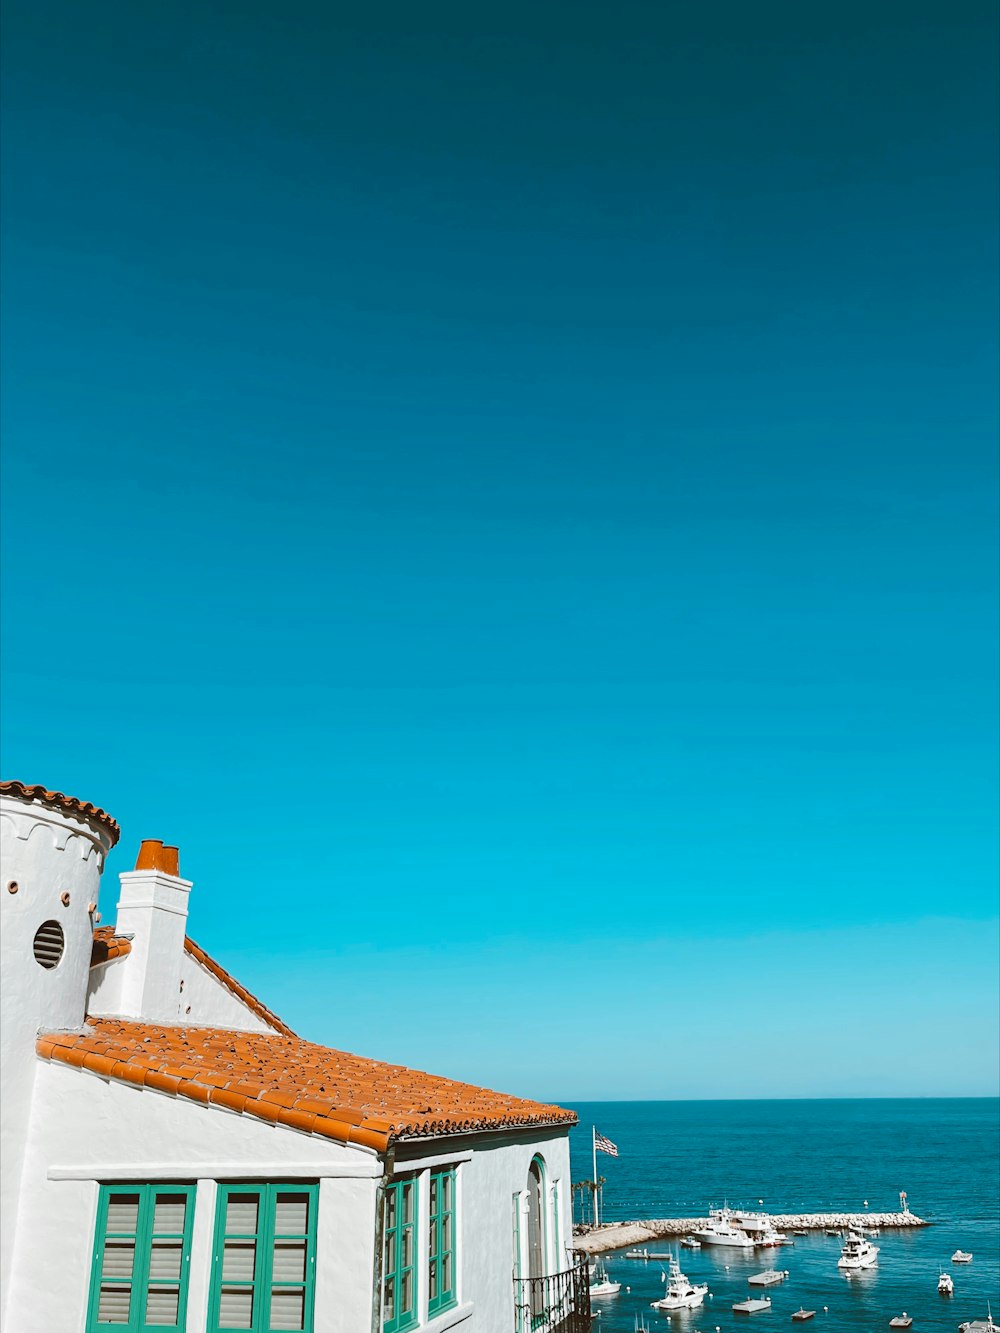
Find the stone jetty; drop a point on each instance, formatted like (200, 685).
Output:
(616, 1235)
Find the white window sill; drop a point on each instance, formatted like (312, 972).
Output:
(449, 1319)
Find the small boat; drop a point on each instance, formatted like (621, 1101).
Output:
(768, 1278)
(946, 1285)
(961, 1257)
(801, 1315)
(681, 1294)
(800, 1231)
(901, 1321)
(690, 1243)
(601, 1284)
(756, 1305)
(831, 1232)
(857, 1253)
(980, 1325)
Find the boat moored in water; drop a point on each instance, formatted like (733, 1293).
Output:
(681, 1294)
(801, 1315)
(857, 1253)
(946, 1284)
(769, 1278)
(601, 1284)
(756, 1305)
(961, 1257)
(901, 1321)
(690, 1243)
(723, 1229)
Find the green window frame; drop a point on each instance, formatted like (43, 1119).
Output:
(399, 1253)
(264, 1258)
(441, 1241)
(142, 1257)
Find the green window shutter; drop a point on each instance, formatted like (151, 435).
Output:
(399, 1260)
(264, 1258)
(441, 1242)
(142, 1254)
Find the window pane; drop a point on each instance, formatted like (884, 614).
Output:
(291, 1215)
(446, 1282)
(406, 1293)
(119, 1256)
(161, 1305)
(432, 1279)
(446, 1232)
(389, 1298)
(241, 1214)
(407, 1202)
(168, 1214)
(113, 1305)
(165, 1259)
(390, 1208)
(236, 1308)
(434, 1195)
(406, 1256)
(446, 1192)
(288, 1309)
(289, 1261)
(123, 1211)
(238, 1260)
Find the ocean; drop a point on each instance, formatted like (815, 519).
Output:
(677, 1159)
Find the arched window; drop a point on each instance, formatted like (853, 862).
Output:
(536, 1218)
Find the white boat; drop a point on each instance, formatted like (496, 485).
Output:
(722, 1230)
(980, 1325)
(681, 1294)
(961, 1257)
(857, 1253)
(601, 1284)
(946, 1285)
(771, 1239)
(756, 1305)
(901, 1321)
(690, 1243)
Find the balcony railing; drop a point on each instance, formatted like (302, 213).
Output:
(559, 1303)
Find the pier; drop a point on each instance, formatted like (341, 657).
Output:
(615, 1235)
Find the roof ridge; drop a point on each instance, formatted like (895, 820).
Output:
(247, 997)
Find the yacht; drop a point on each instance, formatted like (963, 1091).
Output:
(857, 1253)
(723, 1230)
(681, 1294)
(961, 1257)
(946, 1285)
(601, 1284)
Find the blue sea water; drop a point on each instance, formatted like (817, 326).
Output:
(676, 1159)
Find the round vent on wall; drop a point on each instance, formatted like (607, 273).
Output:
(49, 944)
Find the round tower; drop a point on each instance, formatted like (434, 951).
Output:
(52, 853)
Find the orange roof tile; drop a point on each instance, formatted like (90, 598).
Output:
(291, 1082)
(107, 945)
(57, 800)
(231, 984)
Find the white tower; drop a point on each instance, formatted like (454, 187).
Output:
(52, 853)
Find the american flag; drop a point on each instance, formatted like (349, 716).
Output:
(604, 1145)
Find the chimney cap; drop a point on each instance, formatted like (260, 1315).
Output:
(154, 856)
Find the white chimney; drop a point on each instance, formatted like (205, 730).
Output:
(152, 912)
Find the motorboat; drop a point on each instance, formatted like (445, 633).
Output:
(690, 1243)
(858, 1252)
(601, 1284)
(771, 1239)
(946, 1284)
(961, 1257)
(756, 1305)
(901, 1321)
(800, 1315)
(681, 1294)
(722, 1230)
(769, 1278)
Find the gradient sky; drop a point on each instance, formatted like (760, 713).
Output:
(512, 491)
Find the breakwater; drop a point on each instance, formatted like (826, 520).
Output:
(615, 1235)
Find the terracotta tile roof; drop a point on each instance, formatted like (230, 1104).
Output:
(231, 984)
(108, 945)
(58, 801)
(291, 1082)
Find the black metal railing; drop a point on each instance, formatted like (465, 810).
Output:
(559, 1303)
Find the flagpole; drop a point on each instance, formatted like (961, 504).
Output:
(593, 1138)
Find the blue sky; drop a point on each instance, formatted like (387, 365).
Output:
(513, 494)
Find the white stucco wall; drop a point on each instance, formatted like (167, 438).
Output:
(47, 853)
(86, 1129)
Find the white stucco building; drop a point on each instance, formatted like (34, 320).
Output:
(174, 1157)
